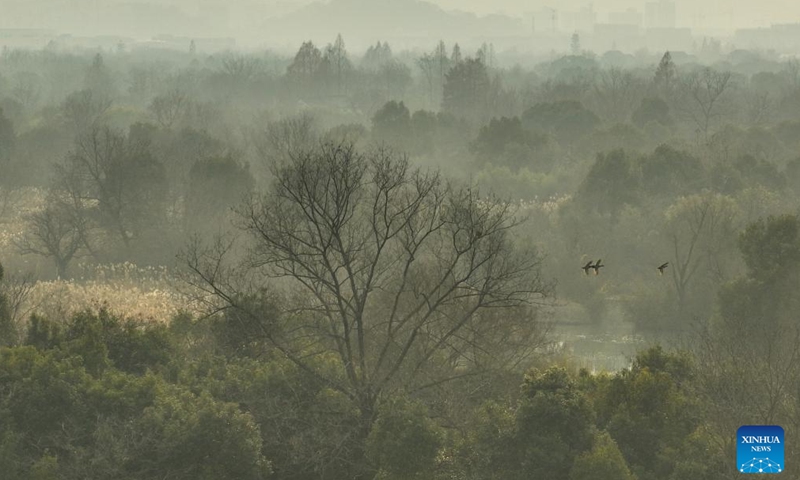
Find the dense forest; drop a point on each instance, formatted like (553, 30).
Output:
(396, 265)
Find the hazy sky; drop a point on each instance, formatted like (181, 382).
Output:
(717, 13)
(697, 14)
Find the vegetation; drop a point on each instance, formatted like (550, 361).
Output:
(331, 266)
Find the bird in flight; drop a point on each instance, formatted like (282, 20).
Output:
(587, 267)
(597, 266)
(662, 268)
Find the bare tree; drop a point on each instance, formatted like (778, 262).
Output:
(699, 228)
(84, 108)
(240, 67)
(618, 93)
(58, 231)
(117, 176)
(759, 108)
(703, 99)
(9, 198)
(388, 270)
(284, 138)
(26, 89)
(17, 289)
(169, 108)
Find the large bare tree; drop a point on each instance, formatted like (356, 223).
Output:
(59, 231)
(116, 174)
(703, 99)
(407, 282)
(700, 231)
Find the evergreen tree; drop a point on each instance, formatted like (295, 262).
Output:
(455, 58)
(666, 74)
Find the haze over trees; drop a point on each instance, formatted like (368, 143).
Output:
(366, 263)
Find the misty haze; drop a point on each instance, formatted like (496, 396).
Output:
(399, 239)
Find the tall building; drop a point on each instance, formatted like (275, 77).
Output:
(659, 14)
(581, 21)
(545, 21)
(630, 16)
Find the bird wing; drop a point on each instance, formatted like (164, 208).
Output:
(588, 265)
(598, 263)
(663, 266)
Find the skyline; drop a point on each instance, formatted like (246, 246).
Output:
(282, 24)
(714, 14)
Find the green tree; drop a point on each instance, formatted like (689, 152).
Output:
(216, 186)
(98, 79)
(568, 120)
(554, 425)
(456, 57)
(198, 437)
(376, 56)
(466, 88)
(336, 56)
(603, 462)
(650, 410)
(392, 124)
(670, 172)
(305, 69)
(397, 78)
(652, 110)
(505, 142)
(771, 247)
(613, 182)
(666, 75)
(404, 442)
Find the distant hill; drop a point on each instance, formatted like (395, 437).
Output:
(363, 22)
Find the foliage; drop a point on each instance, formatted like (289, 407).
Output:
(603, 462)
(392, 124)
(216, 186)
(567, 120)
(613, 182)
(404, 441)
(466, 88)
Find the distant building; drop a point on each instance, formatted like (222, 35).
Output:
(581, 21)
(783, 38)
(630, 16)
(615, 36)
(672, 39)
(25, 37)
(205, 45)
(660, 14)
(545, 21)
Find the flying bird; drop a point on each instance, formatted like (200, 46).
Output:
(597, 266)
(662, 268)
(587, 267)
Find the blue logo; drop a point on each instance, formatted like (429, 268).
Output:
(759, 449)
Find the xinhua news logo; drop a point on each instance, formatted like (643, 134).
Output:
(759, 449)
